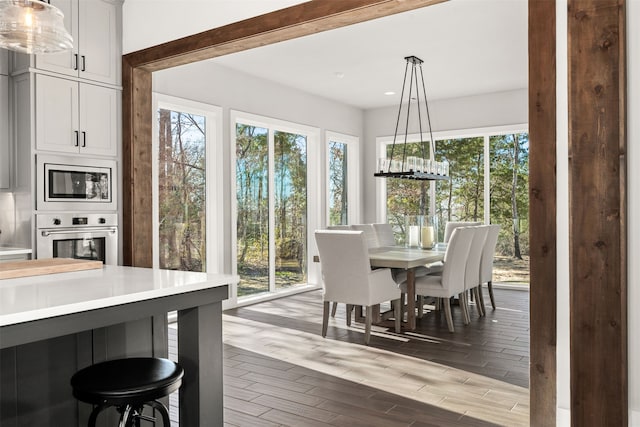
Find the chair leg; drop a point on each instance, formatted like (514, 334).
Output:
(334, 308)
(403, 305)
(420, 306)
(367, 324)
(447, 311)
(397, 312)
(481, 295)
(94, 414)
(493, 301)
(164, 413)
(462, 299)
(325, 317)
(476, 294)
(124, 417)
(349, 310)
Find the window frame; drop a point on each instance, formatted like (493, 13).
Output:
(353, 172)
(214, 174)
(484, 132)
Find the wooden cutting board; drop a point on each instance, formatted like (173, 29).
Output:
(38, 267)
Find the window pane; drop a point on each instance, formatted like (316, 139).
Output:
(181, 192)
(290, 208)
(253, 209)
(338, 208)
(404, 196)
(462, 197)
(510, 205)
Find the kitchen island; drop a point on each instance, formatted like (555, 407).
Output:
(53, 325)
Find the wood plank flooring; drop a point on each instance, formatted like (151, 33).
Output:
(279, 371)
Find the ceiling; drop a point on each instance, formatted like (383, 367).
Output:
(469, 47)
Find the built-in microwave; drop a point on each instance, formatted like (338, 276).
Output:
(66, 183)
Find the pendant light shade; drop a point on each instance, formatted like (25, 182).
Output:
(32, 27)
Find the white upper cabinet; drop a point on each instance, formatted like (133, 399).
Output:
(4, 62)
(75, 117)
(95, 28)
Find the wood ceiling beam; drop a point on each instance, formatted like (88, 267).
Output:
(285, 24)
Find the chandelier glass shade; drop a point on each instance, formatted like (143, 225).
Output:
(33, 27)
(399, 164)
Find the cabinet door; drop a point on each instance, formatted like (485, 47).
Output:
(64, 62)
(98, 120)
(4, 62)
(99, 42)
(4, 133)
(56, 114)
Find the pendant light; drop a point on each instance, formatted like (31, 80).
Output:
(33, 26)
(413, 167)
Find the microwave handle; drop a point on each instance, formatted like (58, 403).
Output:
(46, 233)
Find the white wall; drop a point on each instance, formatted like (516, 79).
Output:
(494, 109)
(148, 23)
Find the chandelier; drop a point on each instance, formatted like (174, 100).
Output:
(32, 26)
(422, 167)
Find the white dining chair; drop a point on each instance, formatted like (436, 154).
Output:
(452, 225)
(369, 234)
(384, 234)
(486, 262)
(347, 277)
(339, 227)
(471, 283)
(452, 279)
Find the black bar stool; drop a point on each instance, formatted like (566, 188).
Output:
(128, 384)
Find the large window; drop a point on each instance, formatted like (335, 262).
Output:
(273, 218)
(187, 140)
(488, 183)
(342, 165)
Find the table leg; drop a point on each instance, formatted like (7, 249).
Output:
(411, 299)
(200, 354)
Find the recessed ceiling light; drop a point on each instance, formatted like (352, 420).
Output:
(339, 75)
(389, 93)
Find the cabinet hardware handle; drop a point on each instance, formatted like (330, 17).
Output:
(75, 61)
(84, 139)
(84, 63)
(77, 137)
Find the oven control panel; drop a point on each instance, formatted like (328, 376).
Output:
(74, 220)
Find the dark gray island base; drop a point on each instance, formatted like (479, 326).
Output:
(51, 326)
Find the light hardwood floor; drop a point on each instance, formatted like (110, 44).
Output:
(279, 371)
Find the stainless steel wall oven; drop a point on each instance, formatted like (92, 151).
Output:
(92, 236)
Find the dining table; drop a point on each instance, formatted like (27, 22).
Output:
(409, 259)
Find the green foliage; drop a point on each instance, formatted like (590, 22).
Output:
(253, 212)
(462, 197)
(338, 207)
(181, 181)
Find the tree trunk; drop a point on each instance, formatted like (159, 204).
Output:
(514, 205)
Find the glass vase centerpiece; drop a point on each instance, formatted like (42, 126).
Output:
(420, 231)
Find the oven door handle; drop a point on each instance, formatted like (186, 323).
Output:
(111, 230)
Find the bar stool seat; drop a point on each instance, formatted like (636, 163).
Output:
(128, 384)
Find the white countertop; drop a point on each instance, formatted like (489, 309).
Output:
(10, 250)
(39, 297)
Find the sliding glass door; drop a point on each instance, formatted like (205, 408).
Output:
(272, 212)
